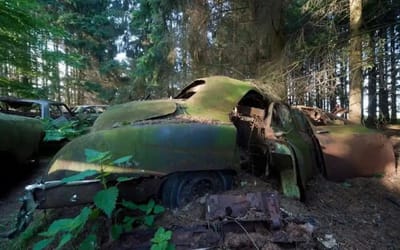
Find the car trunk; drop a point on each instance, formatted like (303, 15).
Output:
(355, 151)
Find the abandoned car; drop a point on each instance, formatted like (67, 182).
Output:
(345, 146)
(89, 113)
(193, 144)
(20, 139)
(58, 112)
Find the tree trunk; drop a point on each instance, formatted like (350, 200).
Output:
(383, 91)
(355, 95)
(372, 84)
(393, 66)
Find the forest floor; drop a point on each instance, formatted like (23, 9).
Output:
(361, 213)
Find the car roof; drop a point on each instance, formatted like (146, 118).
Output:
(39, 101)
(214, 97)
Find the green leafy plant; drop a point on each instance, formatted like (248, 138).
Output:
(67, 130)
(146, 215)
(162, 240)
(105, 201)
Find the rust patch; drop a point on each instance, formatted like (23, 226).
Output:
(319, 117)
(260, 205)
(357, 155)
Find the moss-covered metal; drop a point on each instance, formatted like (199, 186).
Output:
(191, 132)
(285, 162)
(216, 98)
(127, 113)
(212, 100)
(20, 137)
(156, 149)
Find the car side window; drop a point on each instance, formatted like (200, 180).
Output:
(55, 111)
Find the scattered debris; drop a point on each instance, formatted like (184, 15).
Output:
(328, 241)
(248, 206)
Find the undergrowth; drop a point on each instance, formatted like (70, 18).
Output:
(75, 232)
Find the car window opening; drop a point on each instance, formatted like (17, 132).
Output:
(248, 117)
(190, 90)
(28, 109)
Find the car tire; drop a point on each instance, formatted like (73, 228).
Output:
(181, 188)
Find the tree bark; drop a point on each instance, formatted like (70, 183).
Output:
(355, 95)
(372, 84)
(393, 66)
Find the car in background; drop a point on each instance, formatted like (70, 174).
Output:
(59, 122)
(89, 113)
(57, 112)
(20, 140)
(193, 144)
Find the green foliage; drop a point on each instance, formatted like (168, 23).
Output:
(105, 201)
(151, 49)
(89, 243)
(161, 240)
(147, 213)
(67, 228)
(94, 156)
(67, 130)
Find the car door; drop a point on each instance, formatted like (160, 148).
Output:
(290, 127)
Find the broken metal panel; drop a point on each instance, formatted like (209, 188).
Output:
(318, 117)
(159, 148)
(294, 142)
(355, 151)
(305, 146)
(250, 207)
(127, 113)
(284, 162)
(350, 150)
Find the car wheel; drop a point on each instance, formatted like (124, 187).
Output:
(181, 188)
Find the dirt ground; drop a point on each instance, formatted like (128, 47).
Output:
(362, 213)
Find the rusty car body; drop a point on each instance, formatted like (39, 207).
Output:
(350, 150)
(196, 141)
(189, 145)
(20, 139)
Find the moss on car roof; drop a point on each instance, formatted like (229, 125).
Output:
(215, 97)
(205, 99)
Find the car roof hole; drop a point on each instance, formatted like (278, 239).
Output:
(190, 90)
(253, 99)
